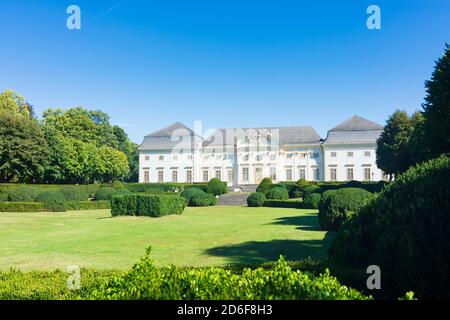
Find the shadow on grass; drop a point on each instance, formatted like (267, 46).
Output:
(303, 222)
(255, 252)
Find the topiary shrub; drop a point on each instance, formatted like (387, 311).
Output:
(256, 199)
(264, 186)
(117, 185)
(340, 205)
(73, 193)
(147, 205)
(405, 231)
(311, 189)
(87, 205)
(216, 187)
(22, 194)
(302, 183)
(104, 193)
(312, 201)
(189, 193)
(295, 192)
(203, 200)
(53, 201)
(277, 193)
(354, 184)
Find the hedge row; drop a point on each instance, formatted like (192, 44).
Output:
(198, 198)
(21, 206)
(40, 206)
(147, 205)
(88, 205)
(283, 204)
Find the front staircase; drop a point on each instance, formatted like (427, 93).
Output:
(233, 199)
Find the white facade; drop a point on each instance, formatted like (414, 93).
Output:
(246, 156)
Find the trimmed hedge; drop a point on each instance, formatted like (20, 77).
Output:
(21, 206)
(87, 205)
(256, 199)
(340, 205)
(217, 187)
(283, 204)
(106, 193)
(277, 193)
(73, 193)
(53, 201)
(312, 201)
(147, 205)
(264, 186)
(166, 187)
(295, 192)
(406, 232)
(22, 194)
(311, 189)
(203, 200)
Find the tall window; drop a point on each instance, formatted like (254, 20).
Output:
(288, 174)
(161, 158)
(146, 176)
(349, 174)
(175, 157)
(333, 154)
(205, 176)
(289, 155)
(350, 154)
(245, 174)
(174, 176)
(160, 176)
(333, 174)
(273, 173)
(147, 158)
(218, 174)
(302, 155)
(189, 156)
(316, 173)
(230, 175)
(302, 173)
(367, 175)
(189, 175)
(366, 153)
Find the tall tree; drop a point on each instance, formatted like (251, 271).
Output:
(436, 127)
(129, 148)
(23, 148)
(12, 102)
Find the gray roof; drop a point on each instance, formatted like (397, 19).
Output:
(354, 130)
(175, 135)
(285, 135)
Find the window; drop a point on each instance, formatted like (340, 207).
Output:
(333, 174)
(302, 155)
(333, 154)
(366, 153)
(245, 174)
(316, 173)
(273, 157)
(189, 156)
(288, 174)
(367, 175)
(245, 157)
(147, 158)
(350, 154)
(230, 176)
(146, 176)
(205, 175)
(174, 176)
(218, 174)
(205, 157)
(259, 157)
(289, 155)
(161, 158)
(160, 176)
(175, 157)
(189, 175)
(273, 173)
(349, 174)
(302, 173)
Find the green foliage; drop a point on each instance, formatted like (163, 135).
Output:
(405, 231)
(296, 192)
(189, 193)
(312, 201)
(302, 183)
(283, 204)
(203, 200)
(154, 191)
(311, 189)
(21, 206)
(118, 185)
(217, 187)
(22, 194)
(256, 199)
(145, 281)
(23, 148)
(87, 205)
(340, 205)
(277, 193)
(13, 103)
(53, 201)
(264, 186)
(105, 193)
(147, 205)
(201, 186)
(74, 193)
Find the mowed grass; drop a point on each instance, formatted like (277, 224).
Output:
(219, 235)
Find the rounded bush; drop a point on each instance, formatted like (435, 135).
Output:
(118, 185)
(256, 199)
(295, 192)
(22, 194)
(354, 184)
(277, 193)
(73, 193)
(203, 200)
(302, 183)
(311, 201)
(53, 200)
(216, 187)
(154, 191)
(311, 189)
(340, 205)
(189, 193)
(264, 186)
(405, 230)
(105, 193)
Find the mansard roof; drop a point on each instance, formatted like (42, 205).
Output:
(285, 135)
(354, 130)
(176, 135)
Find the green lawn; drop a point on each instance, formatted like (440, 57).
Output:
(200, 236)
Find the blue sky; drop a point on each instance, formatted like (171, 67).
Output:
(227, 63)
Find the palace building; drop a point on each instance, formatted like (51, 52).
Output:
(244, 156)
